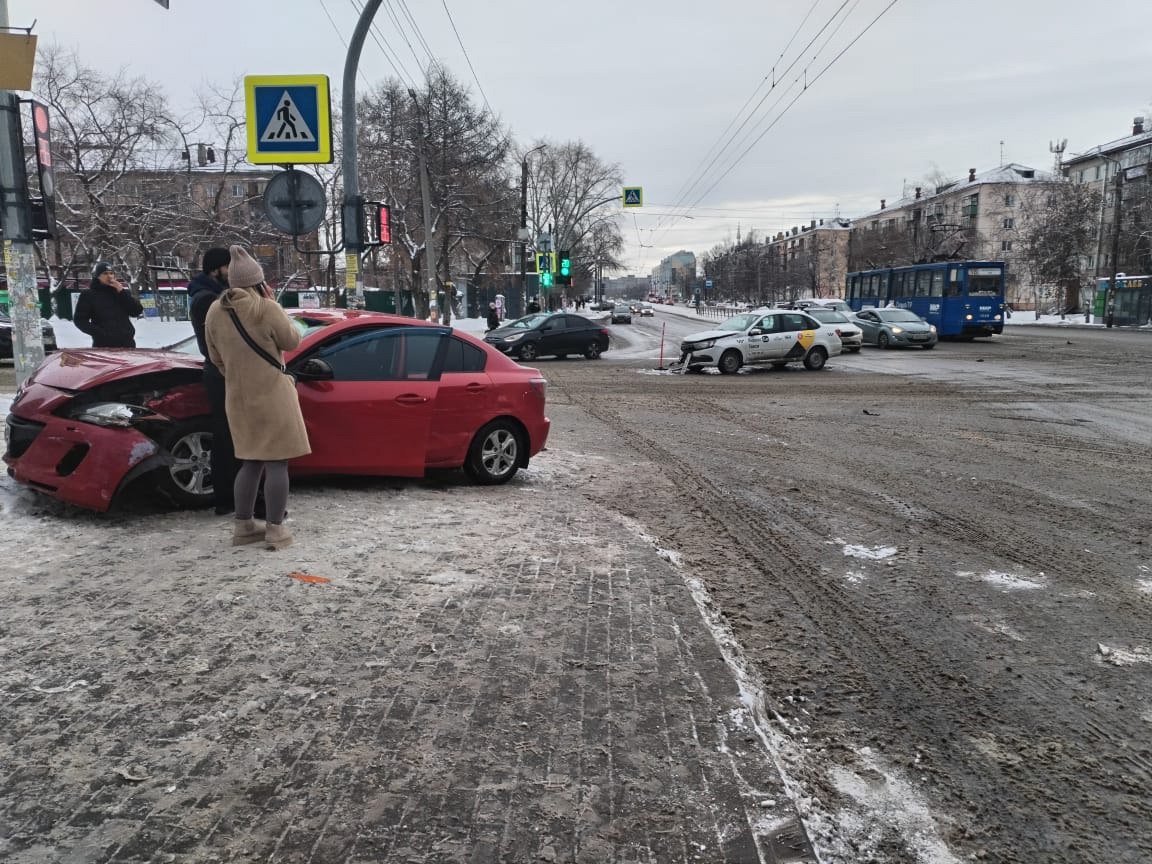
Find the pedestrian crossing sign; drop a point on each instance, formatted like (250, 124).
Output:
(289, 119)
(633, 196)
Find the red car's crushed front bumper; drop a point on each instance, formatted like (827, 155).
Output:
(77, 462)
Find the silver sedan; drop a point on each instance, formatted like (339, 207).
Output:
(892, 328)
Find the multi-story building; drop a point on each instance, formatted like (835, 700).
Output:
(975, 218)
(1119, 167)
(675, 275)
(807, 261)
(154, 223)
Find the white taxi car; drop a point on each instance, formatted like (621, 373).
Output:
(766, 337)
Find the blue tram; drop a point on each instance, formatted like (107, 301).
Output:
(964, 299)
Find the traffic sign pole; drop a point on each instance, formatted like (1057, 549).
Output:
(16, 223)
(353, 203)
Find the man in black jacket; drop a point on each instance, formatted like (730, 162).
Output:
(105, 311)
(205, 287)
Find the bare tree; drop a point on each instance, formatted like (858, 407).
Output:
(473, 199)
(1058, 232)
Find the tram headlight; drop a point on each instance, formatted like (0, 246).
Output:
(995, 317)
(968, 317)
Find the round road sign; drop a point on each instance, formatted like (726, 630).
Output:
(294, 202)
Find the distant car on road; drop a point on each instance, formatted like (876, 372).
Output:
(645, 310)
(892, 328)
(550, 334)
(622, 314)
(821, 303)
(767, 337)
(6, 349)
(851, 336)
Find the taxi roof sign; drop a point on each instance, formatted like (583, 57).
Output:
(289, 119)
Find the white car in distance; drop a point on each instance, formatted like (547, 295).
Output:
(766, 337)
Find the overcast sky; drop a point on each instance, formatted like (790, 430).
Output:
(653, 84)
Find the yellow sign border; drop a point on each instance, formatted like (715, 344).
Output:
(624, 196)
(323, 155)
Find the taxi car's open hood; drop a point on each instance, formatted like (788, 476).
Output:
(705, 335)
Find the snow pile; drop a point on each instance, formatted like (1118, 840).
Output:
(1004, 581)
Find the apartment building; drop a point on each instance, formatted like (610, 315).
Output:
(975, 218)
(807, 261)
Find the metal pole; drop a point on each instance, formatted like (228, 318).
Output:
(429, 236)
(1110, 297)
(16, 223)
(523, 235)
(353, 203)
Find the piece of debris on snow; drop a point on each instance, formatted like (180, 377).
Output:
(309, 578)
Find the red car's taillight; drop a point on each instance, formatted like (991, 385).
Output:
(539, 387)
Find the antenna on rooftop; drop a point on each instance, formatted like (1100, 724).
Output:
(1058, 147)
(1001, 153)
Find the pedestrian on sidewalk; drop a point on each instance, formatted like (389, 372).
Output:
(204, 290)
(105, 311)
(493, 317)
(247, 333)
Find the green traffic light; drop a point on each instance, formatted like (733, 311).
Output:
(546, 279)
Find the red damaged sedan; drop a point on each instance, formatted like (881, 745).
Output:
(381, 395)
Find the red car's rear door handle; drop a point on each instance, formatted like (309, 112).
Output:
(474, 387)
(411, 399)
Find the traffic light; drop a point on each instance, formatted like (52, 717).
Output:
(377, 224)
(565, 268)
(44, 207)
(545, 266)
(546, 279)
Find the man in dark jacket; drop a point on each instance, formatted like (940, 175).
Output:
(205, 287)
(105, 311)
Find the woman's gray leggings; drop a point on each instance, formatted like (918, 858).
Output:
(247, 486)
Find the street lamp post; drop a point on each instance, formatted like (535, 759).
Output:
(523, 235)
(1110, 295)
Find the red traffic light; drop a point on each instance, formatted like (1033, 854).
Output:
(384, 223)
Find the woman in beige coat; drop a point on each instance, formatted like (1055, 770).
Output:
(261, 401)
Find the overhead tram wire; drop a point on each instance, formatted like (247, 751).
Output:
(403, 34)
(416, 28)
(807, 87)
(701, 178)
(475, 77)
(684, 192)
(799, 78)
(390, 53)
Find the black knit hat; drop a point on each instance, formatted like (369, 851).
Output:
(100, 268)
(215, 258)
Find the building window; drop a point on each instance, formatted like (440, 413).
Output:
(1009, 200)
(1005, 245)
(1097, 172)
(238, 188)
(1009, 222)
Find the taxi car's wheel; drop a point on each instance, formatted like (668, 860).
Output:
(592, 352)
(528, 352)
(495, 453)
(882, 340)
(187, 480)
(730, 362)
(815, 359)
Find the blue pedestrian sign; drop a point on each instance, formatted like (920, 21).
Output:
(289, 119)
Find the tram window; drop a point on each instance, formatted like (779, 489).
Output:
(937, 284)
(921, 289)
(898, 283)
(953, 289)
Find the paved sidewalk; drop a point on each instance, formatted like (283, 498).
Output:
(490, 675)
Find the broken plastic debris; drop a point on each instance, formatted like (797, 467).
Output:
(132, 773)
(65, 689)
(309, 578)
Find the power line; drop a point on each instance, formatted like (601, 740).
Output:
(403, 33)
(390, 53)
(332, 21)
(416, 28)
(806, 85)
(775, 81)
(475, 77)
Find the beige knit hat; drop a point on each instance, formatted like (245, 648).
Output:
(243, 271)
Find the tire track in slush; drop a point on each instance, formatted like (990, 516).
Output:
(884, 640)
